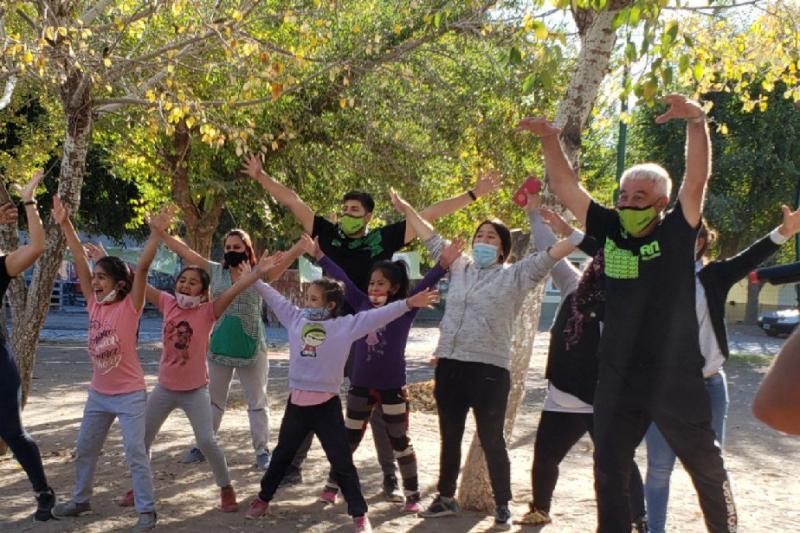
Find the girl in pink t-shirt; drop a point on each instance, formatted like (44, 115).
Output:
(115, 299)
(189, 316)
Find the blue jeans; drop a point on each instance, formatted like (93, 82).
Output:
(661, 458)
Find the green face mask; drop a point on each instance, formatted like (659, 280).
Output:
(635, 219)
(351, 225)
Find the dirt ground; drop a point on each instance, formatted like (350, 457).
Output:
(764, 465)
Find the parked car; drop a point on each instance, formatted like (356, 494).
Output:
(781, 322)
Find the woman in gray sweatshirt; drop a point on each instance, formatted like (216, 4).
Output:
(474, 350)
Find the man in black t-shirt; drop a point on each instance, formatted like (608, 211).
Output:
(650, 364)
(355, 248)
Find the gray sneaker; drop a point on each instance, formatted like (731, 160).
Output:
(147, 522)
(70, 508)
(263, 460)
(440, 506)
(193, 456)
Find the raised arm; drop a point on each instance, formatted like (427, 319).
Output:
(562, 178)
(698, 154)
(486, 183)
(142, 268)
(421, 227)
(370, 320)
(78, 254)
(543, 222)
(20, 259)
(285, 310)
(152, 295)
(283, 260)
(261, 269)
(282, 194)
(777, 401)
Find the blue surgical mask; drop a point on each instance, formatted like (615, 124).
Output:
(485, 255)
(315, 313)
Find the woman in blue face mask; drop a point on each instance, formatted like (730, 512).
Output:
(474, 350)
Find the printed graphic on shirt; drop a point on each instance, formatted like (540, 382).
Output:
(620, 263)
(372, 242)
(313, 336)
(104, 347)
(375, 343)
(177, 338)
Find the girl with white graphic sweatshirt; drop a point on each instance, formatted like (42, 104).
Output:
(319, 343)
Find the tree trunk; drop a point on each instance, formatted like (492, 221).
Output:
(597, 43)
(29, 307)
(751, 307)
(201, 224)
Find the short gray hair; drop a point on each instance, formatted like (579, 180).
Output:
(651, 172)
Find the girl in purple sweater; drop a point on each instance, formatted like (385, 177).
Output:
(379, 363)
(319, 343)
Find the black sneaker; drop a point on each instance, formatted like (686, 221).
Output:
(640, 526)
(391, 489)
(502, 517)
(441, 506)
(293, 476)
(45, 501)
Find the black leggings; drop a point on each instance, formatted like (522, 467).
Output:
(557, 434)
(11, 430)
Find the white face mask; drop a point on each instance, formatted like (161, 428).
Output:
(185, 301)
(109, 298)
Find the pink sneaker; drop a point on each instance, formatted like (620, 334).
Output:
(328, 496)
(362, 524)
(127, 500)
(258, 508)
(412, 507)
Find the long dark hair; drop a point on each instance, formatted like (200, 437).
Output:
(332, 291)
(397, 274)
(248, 245)
(505, 237)
(119, 272)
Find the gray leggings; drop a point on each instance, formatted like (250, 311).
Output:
(197, 406)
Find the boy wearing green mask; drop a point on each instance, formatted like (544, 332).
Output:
(650, 363)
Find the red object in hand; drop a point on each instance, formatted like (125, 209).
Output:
(532, 185)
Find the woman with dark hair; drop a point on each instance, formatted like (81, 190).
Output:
(238, 340)
(12, 431)
(474, 350)
(571, 370)
(115, 300)
(713, 281)
(378, 375)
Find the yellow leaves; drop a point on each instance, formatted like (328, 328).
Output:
(275, 146)
(171, 69)
(722, 129)
(277, 68)
(342, 102)
(150, 95)
(264, 58)
(27, 58)
(236, 15)
(119, 23)
(190, 121)
(355, 30)
(398, 29)
(277, 90)
(107, 62)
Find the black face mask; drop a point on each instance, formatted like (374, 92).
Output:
(233, 259)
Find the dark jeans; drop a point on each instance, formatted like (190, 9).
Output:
(484, 388)
(679, 406)
(11, 430)
(556, 435)
(327, 423)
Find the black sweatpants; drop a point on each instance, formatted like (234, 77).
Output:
(679, 405)
(460, 386)
(11, 429)
(327, 423)
(556, 435)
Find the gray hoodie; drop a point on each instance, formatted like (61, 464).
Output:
(482, 304)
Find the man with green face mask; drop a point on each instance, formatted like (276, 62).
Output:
(355, 248)
(650, 363)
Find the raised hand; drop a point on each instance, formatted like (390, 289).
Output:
(487, 183)
(268, 262)
(554, 220)
(59, 210)
(252, 166)
(311, 246)
(680, 107)
(425, 299)
(8, 213)
(27, 192)
(94, 251)
(791, 222)
(538, 126)
(451, 253)
(161, 222)
(400, 205)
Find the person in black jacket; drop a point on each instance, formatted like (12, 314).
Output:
(571, 371)
(714, 280)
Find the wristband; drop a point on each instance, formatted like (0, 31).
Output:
(29, 202)
(776, 237)
(472, 195)
(576, 237)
